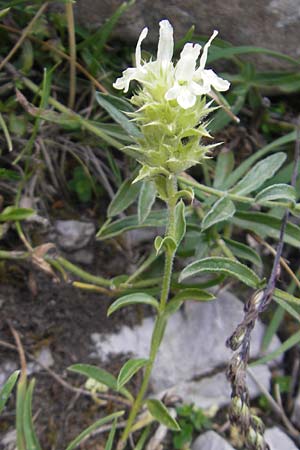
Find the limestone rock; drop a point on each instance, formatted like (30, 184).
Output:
(273, 24)
(278, 440)
(193, 348)
(73, 235)
(211, 441)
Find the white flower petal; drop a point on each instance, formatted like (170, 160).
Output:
(123, 82)
(186, 99)
(186, 65)
(211, 78)
(173, 92)
(205, 50)
(138, 50)
(197, 88)
(165, 44)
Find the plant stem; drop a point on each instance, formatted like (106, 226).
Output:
(72, 47)
(160, 322)
(235, 197)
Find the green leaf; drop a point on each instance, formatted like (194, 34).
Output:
(146, 199)
(272, 328)
(129, 369)
(29, 433)
(187, 193)
(142, 440)
(221, 211)
(132, 299)
(3, 12)
(167, 242)
(289, 343)
(221, 118)
(7, 389)
(180, 223)
(243, 251)
(158, 410)
(267, 225)
(7, 174)
(20, 404)
(260, 173)
(230, 52)
(126, 195)
(100, 375)
(104, 100)
(222, 265)
(242, 168)
(289, 309)
(277, 192)
(188, 294)
(286, 296)
(224, 167)
(155, 219)
(84, 434)
(110, 439)
(13, 213)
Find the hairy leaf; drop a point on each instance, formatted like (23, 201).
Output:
(126, 195)
(222, 265)
(222, 210)
(260, 173)
(130, 368)
(146, 199)
(277, 192)
(158, 410)
(132, 299)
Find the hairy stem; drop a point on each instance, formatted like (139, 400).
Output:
(160, 322)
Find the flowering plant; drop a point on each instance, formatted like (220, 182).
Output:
(171, 104)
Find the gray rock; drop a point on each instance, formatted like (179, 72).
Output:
(193, 347)
(9, 441)
(214, 390)
(273, 24)
(44, 357)
(278, 440)
(211, 441)
(73, 235)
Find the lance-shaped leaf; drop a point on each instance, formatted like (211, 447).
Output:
(85, 433)
(130, 368)
(155, 219)
(106, 101)
(111, 437)
(277, 192)
(188, 294)
(225, 165)
(158, 410)
(15, 213)
(245, 166)
(267, 225)
(243, 251)
(180, 223)
(146, 199)
(133, 299)
(221, 265)
(125, 196)
(31, 439)
(259, 173)
(7, 389)
(222, 210)
(100, 375)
